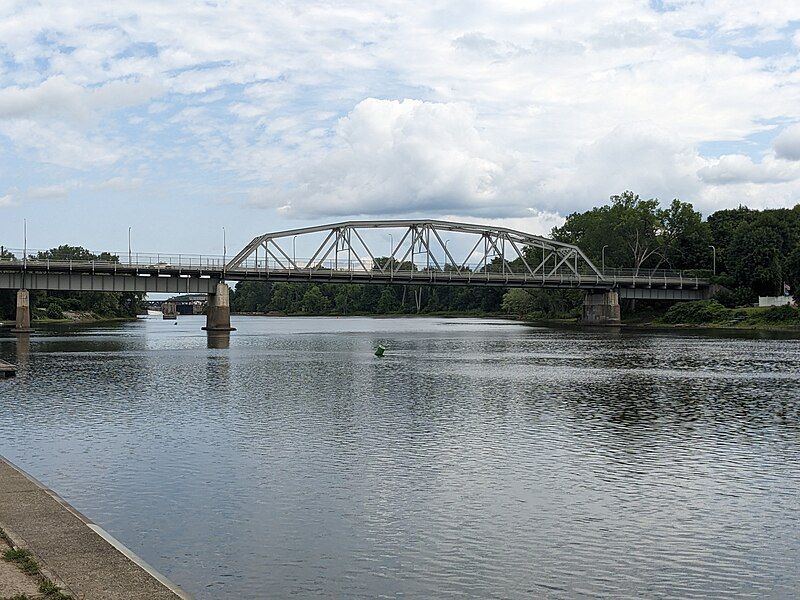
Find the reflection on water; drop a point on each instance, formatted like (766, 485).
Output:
(476, 458)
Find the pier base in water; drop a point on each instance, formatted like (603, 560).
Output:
(23, 324)
(601, 309)
(218, 316)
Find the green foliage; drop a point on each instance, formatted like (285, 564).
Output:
(54, 311)
(388, 302)
(314, 302)
(700, 312)
(637, 233)
(780, 315)
(343, 299)
(754, 259)
(517, 301)
(741, 296)
(792, 271)
(23, 560)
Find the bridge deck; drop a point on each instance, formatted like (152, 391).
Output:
(164, 277)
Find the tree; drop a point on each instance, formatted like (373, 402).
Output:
(517, 301)
(683, 237)
(792, 271)
(755, 260)
(314, 302)
(637, 234)
(388, 302)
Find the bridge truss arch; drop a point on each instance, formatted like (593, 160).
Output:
(420, 248)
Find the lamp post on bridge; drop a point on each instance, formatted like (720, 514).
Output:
(714, 251)
(603, 258)
(129, 246)
(224, 249)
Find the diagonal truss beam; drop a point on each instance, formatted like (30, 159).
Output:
(421, 246)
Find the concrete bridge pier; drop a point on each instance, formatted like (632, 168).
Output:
(23, 312)
(218, 316)
(601, 308)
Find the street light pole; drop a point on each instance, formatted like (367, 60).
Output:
(714, 250)
(603, 255)
(224, 248)
(129, 246)
(25, 241)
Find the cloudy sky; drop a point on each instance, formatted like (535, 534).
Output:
(179, 118)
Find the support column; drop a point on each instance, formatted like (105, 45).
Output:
(23, 312)
(601, 308)
(169, 310)
(218, 316)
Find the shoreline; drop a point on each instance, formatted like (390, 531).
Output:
(79, 556)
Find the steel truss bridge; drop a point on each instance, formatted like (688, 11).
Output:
(420, 252)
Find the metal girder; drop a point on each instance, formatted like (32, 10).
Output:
(87, 282)
(421, 248)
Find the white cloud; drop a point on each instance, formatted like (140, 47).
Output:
(738, 168)
(638, 157)
(6, 200)
(514, 105)
(50, 192)
(787, 144)
(394, 157)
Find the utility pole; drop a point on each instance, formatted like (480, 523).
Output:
(714, 250)
(129, 246)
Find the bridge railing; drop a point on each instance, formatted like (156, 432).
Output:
(264, 265)
(38, 258)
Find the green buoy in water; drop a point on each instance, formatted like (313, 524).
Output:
(380, 350)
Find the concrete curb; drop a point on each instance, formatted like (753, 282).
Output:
(20, 540)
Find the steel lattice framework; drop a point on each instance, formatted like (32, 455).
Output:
(421, 247)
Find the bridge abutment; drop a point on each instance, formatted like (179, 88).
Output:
(218, 315)
(23, 324)
(601, 308)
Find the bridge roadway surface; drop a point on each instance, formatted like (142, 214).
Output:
(101, 276)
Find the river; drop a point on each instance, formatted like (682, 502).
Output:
(477, 458)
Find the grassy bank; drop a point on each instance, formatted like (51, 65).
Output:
(710, 313)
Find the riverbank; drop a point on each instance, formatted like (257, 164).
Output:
(83, 316)
(64, 554)
(702, 316)
(434, 314)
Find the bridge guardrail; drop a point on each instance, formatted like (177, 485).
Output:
(215, 264)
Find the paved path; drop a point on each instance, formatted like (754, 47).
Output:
(86, 559)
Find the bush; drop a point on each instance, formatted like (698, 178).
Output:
(741, 296)
(54, 311)
(696, 313)
(781, 314)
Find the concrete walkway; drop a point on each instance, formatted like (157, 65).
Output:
(76, 553)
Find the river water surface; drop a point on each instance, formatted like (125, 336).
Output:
(476, 459)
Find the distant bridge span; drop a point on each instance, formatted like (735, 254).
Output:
(421, 252)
